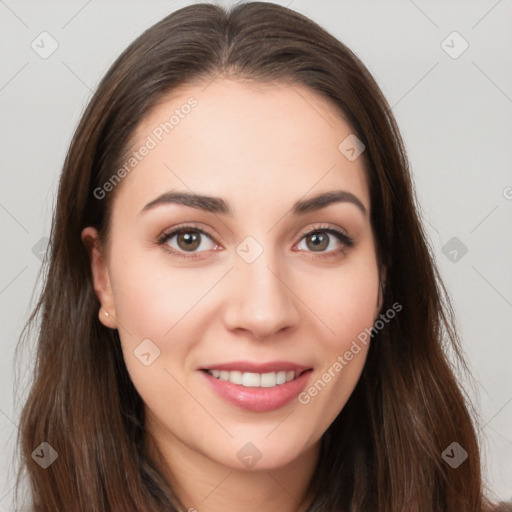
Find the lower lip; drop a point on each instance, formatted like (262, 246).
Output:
(258, 399)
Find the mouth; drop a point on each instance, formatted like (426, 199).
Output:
(257, 387)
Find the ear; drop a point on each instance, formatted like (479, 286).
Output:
(101, 278)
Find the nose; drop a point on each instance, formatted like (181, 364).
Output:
(261, 301)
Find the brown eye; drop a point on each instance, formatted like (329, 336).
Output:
(318, 241)
(187, 239)
(326, 241)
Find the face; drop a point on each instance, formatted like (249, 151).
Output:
(238, 311)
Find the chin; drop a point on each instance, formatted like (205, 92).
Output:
(260, 453)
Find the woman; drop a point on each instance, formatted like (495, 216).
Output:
(241, 311)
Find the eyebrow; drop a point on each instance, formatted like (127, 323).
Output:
(218, 205)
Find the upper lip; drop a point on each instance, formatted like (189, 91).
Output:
(253, 367)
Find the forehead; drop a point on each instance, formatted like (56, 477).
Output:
(245, 141)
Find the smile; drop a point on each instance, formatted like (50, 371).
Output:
(257, 387)
(254, 380)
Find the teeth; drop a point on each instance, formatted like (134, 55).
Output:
(254, 380)
(235, 377)
(251, 380)
(280, 377)
(268, 380)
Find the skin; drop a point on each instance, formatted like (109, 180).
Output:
(261, 148)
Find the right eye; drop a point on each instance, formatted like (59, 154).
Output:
(186, 239)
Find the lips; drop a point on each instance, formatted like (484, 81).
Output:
(257, 387)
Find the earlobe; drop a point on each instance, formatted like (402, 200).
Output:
(107, 319)
(100, 278)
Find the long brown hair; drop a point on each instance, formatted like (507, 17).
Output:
(383, 451)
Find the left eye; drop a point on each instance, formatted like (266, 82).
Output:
(319, 240)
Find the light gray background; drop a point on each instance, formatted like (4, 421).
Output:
(455, 116)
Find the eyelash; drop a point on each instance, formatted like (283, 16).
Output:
(342, 237)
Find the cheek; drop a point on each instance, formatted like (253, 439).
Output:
(153, 304)
(151, 296)
(346, 300)
(163, 304)
(347, 303)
